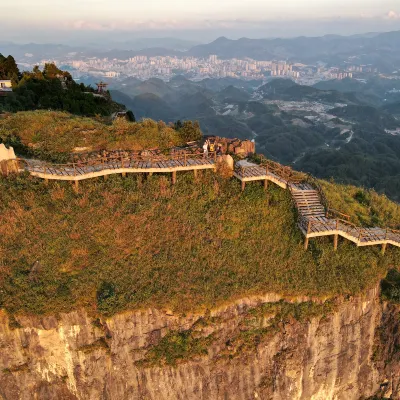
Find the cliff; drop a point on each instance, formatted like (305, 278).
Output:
(319, 355)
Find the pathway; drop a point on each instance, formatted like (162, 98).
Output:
(315, 219)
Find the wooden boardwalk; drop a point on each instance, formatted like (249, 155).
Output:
(248, 172)
(103, 167)
(315, 221)
(315, 218)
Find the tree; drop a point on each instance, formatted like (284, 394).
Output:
(130, 116)
(189, 130)
(178, 125)
(9, 69)
(53, 89)
(51, 71)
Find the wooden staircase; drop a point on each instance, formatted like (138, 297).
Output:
(307, 200)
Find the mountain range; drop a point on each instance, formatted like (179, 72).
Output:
(352, 136)
(380, 49)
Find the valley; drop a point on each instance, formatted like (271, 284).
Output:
(348, 136)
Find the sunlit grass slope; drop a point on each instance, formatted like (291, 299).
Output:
(366, 207)
(134, 242)
(49, 133)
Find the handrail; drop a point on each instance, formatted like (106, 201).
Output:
(330, 212)
(111, 162)
(334, 220)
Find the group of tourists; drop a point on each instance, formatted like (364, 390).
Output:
(210, 147)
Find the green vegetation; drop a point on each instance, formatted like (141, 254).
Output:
(9, 69)
(174, 347)
(254, 328)
(52, 135)
(350, 143)
(188, 130)
(366, 207)
(99, 344)
(51, 89)
(130, 243)
(391, 286)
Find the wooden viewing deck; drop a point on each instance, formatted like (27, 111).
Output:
(119, 165)
(315, 218)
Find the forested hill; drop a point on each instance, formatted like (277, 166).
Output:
(52, 89)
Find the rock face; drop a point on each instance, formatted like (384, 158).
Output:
(349, 354)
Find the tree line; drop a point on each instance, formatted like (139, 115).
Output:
(50, 89)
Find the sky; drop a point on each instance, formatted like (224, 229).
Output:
(196, 20)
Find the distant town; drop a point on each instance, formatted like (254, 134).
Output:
(165, 67)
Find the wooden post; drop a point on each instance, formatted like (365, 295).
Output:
(195, 174)
(336, 236)
(124, 174)
(265, 184)
(105, 177)
(308, 227)
(335, 241)
(306, 240)
(383, 248)
(243, 185)
(150, 174)
(46, 181)
(76, 185)
(173, 177)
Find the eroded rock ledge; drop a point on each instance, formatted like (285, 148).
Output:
(348, 353)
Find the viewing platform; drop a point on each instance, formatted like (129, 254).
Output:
(315, 217)
(250, 172)
(95, 168)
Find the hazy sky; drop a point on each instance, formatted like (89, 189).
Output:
(148, 16)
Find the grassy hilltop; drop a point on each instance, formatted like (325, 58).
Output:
(53, 135)
(137, 242)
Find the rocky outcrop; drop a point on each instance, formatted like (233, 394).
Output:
(346, 354)
(8, 161)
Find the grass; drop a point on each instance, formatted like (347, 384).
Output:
(366, 207)
(130, 243)
(255, 326)
(174, 347)
(50, 134)
(268, 319)
(391, 286)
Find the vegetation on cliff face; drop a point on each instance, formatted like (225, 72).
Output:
(53, 135)
(139, 242)
(176, 346)
(135, 242)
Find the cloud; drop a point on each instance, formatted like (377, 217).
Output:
(393, 15)
(88, 25)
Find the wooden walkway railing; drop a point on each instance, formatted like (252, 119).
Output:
(310, 200)
(315, 216)
(133, 163)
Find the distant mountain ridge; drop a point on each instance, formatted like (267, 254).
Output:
(307, 49)
(381, 49)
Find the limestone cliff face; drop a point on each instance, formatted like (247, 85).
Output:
(347, 355)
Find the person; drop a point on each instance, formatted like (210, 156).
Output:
(219, 149)
(212, 147)
(205, 149)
